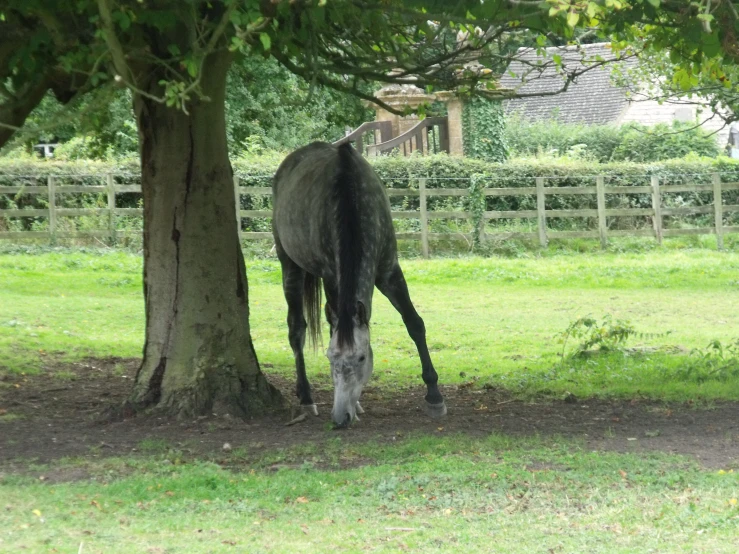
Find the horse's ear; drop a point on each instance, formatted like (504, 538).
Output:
(362, 313)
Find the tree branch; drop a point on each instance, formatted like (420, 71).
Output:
(114, 45)
(13, 114)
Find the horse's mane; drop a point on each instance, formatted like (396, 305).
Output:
(350, 241)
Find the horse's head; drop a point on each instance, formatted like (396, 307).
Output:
(351, 368)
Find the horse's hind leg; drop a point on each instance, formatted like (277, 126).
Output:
(331, 293)
(292, 284)
(394, 287)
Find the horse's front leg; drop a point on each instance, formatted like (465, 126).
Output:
(394, 287)
(292, 284)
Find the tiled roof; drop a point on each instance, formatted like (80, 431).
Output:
(591, 98)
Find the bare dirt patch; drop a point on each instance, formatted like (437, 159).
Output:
(47, 417)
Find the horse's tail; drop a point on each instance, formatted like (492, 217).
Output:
(350, 242)
(312, 300)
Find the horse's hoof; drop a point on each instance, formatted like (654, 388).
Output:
(360, 410)
(435, 411)
(310, 409)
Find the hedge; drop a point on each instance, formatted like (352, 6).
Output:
(442, 171)
(401, 172)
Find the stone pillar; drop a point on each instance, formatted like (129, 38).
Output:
(384, 115)
(400, 97)
(454, 106)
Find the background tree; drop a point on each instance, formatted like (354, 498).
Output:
(267, 107)
(174, 56)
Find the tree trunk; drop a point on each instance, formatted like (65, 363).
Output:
(198, 356)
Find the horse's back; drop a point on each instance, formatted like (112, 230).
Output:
(304, 204)
(304, 167)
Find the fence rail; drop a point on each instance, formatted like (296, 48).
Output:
(541, 214)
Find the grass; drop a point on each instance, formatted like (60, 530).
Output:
(423, 494)
(495, 321)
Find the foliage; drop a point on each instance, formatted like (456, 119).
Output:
(441, 171)
(716, 362)
(90, 46)
(656, 76)
(607, 334)
(555, 137)
(483, 129)
(604, 143)
(690, 47)
(663, 142)
(267, 107)
(267, 102)
(100, 126)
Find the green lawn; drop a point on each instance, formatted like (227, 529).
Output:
(426, 494)
(495, 320)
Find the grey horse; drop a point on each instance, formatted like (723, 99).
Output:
(331, 222)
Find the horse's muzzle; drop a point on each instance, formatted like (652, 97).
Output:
(345, 423)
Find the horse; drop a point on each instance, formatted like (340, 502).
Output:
(331, 223)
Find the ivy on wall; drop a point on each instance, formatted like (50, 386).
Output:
(483, 130)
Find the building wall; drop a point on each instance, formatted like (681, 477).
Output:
(651, 112)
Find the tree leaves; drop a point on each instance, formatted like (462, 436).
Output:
(266, 41)
(338, 43)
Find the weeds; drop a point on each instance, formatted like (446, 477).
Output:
(717, 362)
(608, 334)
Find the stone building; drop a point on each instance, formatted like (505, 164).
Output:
(596, 96)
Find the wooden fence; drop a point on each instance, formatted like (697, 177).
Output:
(656, 212)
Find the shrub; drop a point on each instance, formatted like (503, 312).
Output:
(544, 137)
(664, 142)
(604, 143)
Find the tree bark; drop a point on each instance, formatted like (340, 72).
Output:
(198, 356)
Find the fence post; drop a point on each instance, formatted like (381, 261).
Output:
(600, 189)
(51, 189)
(541, 209)
(237, 197)
(657, 207)
(424, 218)
(481, 225)
(110, 182)
(718, 211)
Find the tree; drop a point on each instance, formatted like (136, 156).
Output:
(266, 107)
(269, 107)
(174, 56)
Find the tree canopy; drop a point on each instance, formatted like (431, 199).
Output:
(90, 45)
(267, 107)
(174, 57)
